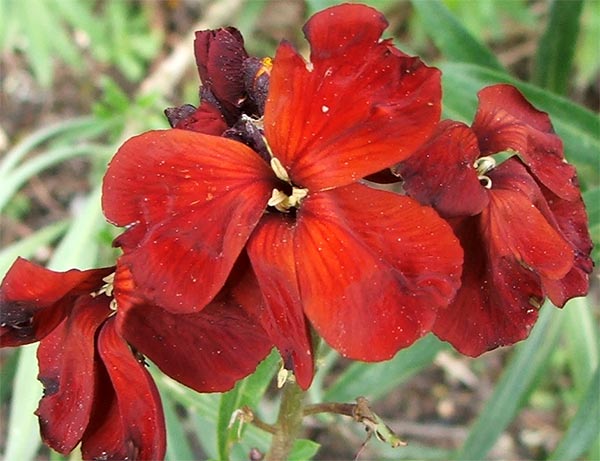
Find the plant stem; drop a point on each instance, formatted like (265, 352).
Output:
(288, 423)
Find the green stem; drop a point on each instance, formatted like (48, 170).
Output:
(288, 423)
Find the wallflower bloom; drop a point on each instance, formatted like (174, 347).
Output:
(522, 223)
(96, 388)
(369, 269)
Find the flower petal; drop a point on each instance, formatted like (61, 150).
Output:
(358, 107)
(129, 425)
(441, 172)
(373, 267)
(271, 252)
(514, 228)
(572, 223)
(208, 351)
(506, 121)
(497, 303)
(190, 201)
(67, 371)
(205, 119)
(34, 300)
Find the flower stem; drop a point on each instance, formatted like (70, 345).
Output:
(288, 423)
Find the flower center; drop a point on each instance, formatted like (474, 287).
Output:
(483, 165)
(281, 200)
(107, 289)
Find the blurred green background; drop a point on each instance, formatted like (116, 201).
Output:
(77, 77)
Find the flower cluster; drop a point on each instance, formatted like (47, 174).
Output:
(255, 222)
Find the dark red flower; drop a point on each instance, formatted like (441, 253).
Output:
(522, 223)
(233, 84)
(369, 269)
(93, 329)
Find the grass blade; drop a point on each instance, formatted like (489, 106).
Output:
(585, 426)
(556, 47)
(449, 35)
(514, 386)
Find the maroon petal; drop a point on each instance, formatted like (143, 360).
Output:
(128, 423)
(572, 223)
(441, 172)
(497, 303)
(189, 201)
(67, 370)
(34, 300)
(205, 119)
(220, 56)
(505, 120)
(208, 351)
(271, 251)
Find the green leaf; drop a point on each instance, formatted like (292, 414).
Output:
(557, 46)
(23, 439)
(581, 339)
(585, 426)
(373, 380)
(578, 127)
(453, 40)
(246, 392)
(178, 446)
(303, 449)
(517, 380)
(27, 246)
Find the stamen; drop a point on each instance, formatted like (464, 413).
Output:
(279, 169)
(283, 202)
(483, 165)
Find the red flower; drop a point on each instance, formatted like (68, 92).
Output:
(96, 388)
(521, 223)
(368, 268)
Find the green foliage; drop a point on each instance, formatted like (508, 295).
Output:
(87, 36)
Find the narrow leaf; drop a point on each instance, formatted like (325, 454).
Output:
(514, 386)
(449, 35)
(556, 47)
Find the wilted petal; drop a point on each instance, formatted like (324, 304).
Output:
(497, 303)
(441, 172)
(205, 119)
(373, 268)
(34, 300)
(220, 56)
(67, 372)
(128, 421)
(355, 109)
(208, 351)
(190, 201)
(271, 251)
(505, 120)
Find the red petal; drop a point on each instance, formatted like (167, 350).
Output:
(34, 300)
(515, 229)
(572, 222)
(358, 106)
(191, 201)
(208, 351)
(496, 304)
(130, 427)
(373, 269)
(271, 251)
(67, 369)
(506, 121)
(441, 172)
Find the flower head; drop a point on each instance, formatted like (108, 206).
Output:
(367, 269)
(94, 331)
(521, 222)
